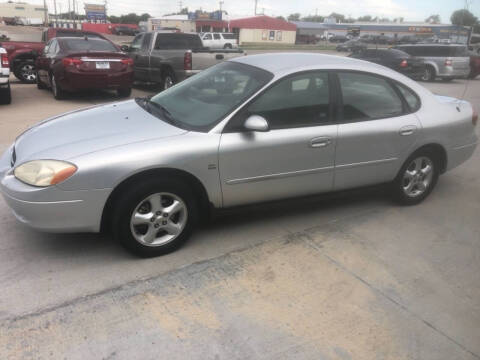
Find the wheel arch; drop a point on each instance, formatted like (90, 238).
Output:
(437, 149)
(199, 190)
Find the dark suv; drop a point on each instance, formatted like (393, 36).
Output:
(124, 30)
(394, 59)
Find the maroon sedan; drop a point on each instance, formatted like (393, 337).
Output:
(71, 64)
(474, 65)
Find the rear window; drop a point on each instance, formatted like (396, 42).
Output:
(228, 36)
(177, 41)
(61, 33)
(88, 45)
(394, 53)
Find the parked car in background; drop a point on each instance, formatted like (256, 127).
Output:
(219, 40)
(72, 64)
(408, 39)
(338, 39)
(394, 59)
(474, 65)
(354, 46)
(442, 61)
(5, 92)
(22, 54)
(254, 129)
(168, 58)
(306, 39)
(124, 30)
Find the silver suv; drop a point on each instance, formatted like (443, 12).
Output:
(442, 61)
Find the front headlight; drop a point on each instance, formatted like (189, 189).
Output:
(44, 172)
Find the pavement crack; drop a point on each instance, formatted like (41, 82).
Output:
(376, 290)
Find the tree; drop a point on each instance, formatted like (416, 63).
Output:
(339, 17)
(131, 18)
(314, 18)
(366, 18)
(281, 18)
(463, 17)
(433, 19)
(294, 17)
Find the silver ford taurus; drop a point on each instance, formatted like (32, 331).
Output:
(248, 130)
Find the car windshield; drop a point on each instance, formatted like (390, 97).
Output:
(203, 100)
(89, 45)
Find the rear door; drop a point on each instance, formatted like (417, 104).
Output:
(377, 130)
(217, 41)
(295, 157)
(207, 40)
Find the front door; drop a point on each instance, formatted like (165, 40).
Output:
(377, 131)
(136, 53)
(295, 157)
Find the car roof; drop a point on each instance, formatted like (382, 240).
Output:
(279, 62)
(65, 38)
(432, 45)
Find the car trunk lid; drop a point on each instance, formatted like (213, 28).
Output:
(98, 62)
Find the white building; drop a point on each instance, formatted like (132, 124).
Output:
(180, 22)
(34, 14)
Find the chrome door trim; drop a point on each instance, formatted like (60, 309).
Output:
(279, 175)
(365, 163)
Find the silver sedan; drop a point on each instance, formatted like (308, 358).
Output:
(248, 130)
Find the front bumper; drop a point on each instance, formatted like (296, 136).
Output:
(50, 208)
(4, 79)
(449, 72)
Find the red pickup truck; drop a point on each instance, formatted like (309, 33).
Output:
(22, 54)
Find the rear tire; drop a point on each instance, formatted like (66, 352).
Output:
(26, 72)
(227, 46)
(429, 74)
(154, 217)
(417, 178)
(6, 96)
(40, 85)
(168, 79)
(58, 92)
(124, 93)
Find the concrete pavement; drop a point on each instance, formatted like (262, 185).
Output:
(342, 277)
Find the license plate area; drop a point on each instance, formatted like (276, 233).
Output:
(102, 65)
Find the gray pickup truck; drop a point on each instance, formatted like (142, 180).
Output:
(168, 57)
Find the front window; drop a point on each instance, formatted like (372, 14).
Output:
(201, 101)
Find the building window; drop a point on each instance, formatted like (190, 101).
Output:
(272, 35)
(19, 8)
(279, 36)
(39, 9)
(264, 35)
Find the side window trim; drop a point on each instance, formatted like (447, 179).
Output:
(339, 95)
(230, 127)
(396, 85)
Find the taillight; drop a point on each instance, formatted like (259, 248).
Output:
(5, 62)
(71, 61)
(404, 63)
(448, 62)
(475, 118)
(187, 61)
(127, 61)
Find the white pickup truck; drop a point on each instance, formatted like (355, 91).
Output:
(5, 94)
(219, 40)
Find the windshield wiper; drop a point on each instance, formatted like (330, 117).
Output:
(151, 107)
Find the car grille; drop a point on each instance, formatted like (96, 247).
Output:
(14, 158)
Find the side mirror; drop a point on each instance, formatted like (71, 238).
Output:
(256, 123)
(125, 48)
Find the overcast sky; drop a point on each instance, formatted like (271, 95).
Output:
(411, 10)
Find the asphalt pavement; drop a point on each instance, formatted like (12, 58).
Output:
(351, 276)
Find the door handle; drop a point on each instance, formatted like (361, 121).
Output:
(320, 142)
(407, 130)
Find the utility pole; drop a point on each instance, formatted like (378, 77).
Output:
(69, 11)
(45, 13)
(105, 11)
(74, 15)
(221, 3)
(180, 4)
(256, 3)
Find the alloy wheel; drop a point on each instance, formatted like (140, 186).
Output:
(418, 177)
(27, 72)
(158, 219)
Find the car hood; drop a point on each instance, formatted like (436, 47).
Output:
(89, 130)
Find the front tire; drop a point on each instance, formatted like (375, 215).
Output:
(417, 178)
(154, 217)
